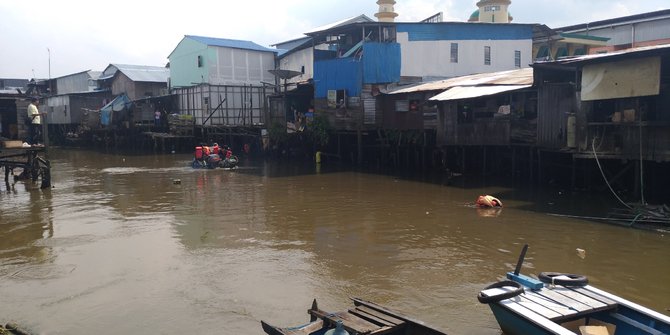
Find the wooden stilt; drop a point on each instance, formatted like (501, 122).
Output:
(463, 159)
(531, 164)
(574, 173)
(483, 160)
(513, 163)
(539, 167)
(359, 137)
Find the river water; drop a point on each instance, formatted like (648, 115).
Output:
(145, 244)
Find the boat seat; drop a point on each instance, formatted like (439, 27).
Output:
(559, 303)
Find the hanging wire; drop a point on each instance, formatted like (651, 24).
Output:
(593, 146)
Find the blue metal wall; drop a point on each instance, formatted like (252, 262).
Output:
(338, 74)
(465, 31)
(381, 63)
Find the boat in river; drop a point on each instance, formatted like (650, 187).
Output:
(364, 318)
(565, 304)
(212, 157)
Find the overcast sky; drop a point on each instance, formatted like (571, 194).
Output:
(80, 35)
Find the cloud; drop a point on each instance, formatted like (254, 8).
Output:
(83, 35)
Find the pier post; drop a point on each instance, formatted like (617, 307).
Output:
(463, 164)
(513, 163)
(531, 163)
(574, 173)
(539, 167)
(359, 138)
(483, 160)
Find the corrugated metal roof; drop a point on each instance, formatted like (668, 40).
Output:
(229, 43)
(356, 19)
(95, 74)
(295, 41)
(143, 73)
(660, 14)
(586, 58)
(511, 77)
(468, 92)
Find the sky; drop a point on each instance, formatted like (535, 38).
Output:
(50, 39)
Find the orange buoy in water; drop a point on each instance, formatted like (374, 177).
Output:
(488, 201)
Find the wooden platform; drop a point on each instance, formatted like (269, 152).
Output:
(556, 304)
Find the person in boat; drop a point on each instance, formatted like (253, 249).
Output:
(224, 152)
(487, 201)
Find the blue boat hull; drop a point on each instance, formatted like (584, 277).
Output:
(513, 324)
(623, 316)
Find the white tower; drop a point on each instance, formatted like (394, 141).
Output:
(386, 12)
(494, 11)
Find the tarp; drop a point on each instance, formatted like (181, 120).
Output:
(468, 92)
(623, 79)
(119, 104)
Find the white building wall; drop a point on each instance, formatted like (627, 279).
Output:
(295, 61)
(240, 67)
(432, 59)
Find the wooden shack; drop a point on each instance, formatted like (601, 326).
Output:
(611, 105)
(496, 108)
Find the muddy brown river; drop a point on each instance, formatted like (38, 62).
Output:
(147, 245)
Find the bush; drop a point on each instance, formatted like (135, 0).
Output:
(319, 131)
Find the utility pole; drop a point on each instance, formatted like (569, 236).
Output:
(49, 51)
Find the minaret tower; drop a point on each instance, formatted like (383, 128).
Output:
(386, 13)
(494, 11)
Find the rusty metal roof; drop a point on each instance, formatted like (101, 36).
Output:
(511, 77)
(639, 51)
(469, 92)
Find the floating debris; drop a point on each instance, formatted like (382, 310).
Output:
(12, 329)
(581, 253)
(641, 215)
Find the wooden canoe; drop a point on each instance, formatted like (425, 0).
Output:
(365, 318)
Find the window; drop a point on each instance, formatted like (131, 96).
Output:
(561, 52)
(543, 53)
(454, 52)
(517, 58)
(402, 105)
(487, 55)
(199, 61)
(492, 8)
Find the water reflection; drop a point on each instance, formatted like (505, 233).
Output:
(28, 220)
